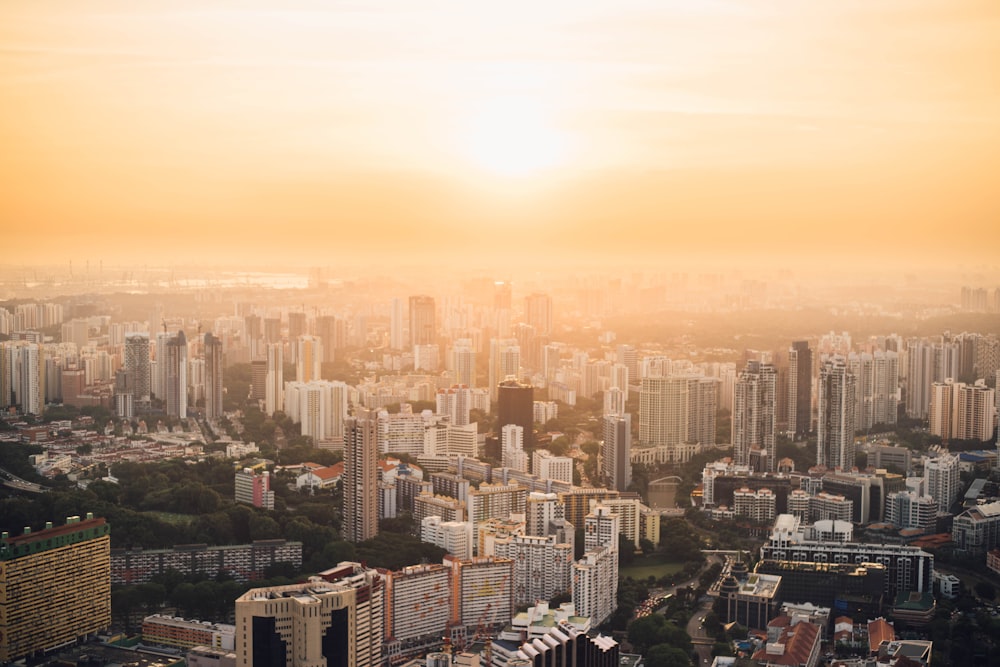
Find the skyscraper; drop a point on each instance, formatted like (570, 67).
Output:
(309, 358)
(800, 388)
(175, 375)
(137, 366)
(516, 405)
(616, 467)
(754, 415)
(663, 410)
(463, 362)
(360, 513)
(213, 377)
(538, 312)
(274, 388)
(505, 361)
(423, 328)
(837, 403)
(396, 329)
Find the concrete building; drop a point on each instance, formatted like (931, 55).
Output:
(274, 384)
(498, 501)
(836, 418)
(360, 483)
(254, 488)
(183, 633)
(482, 592)
(754, 415)
(541, 564)
(977, 529)
(616, 466)
(304, 625)
(55, 586)
(418, 604)
(242, 562)
(455, 537)
(548, 466)
(516, 405)
(942, 481)
(213, 376)
(800, 388)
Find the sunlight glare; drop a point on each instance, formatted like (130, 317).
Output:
(513, 136)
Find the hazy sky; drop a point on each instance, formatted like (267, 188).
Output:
(164, 131)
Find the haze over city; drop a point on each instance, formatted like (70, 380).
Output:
(228, 131)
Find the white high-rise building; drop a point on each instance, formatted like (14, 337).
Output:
(321, 408)
(754, 415)
(547, 466)
(512, 448)
(463, 362)
(455, 537)
(397, 331)
(456, 403)
(542, 565)
(941, 480)
(601, 528)
(595, 576)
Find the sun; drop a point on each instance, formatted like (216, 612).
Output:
(513, 136)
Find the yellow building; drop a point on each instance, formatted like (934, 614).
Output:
(55, 586)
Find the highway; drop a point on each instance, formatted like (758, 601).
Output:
(12, 481)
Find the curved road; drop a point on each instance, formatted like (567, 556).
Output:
(14, 482)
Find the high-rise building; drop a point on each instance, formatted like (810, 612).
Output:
(423, 327)
(877, 377)
(800, 388)
(309, 358)
(663, 410)
(548, 466)
(515, 405)
(396, 328)
(174, 371)
(835, 427)
(274, 387)
(941, 480)
(418, 602)
(213, 377)
(321, 408)
(482, 592)
(754, 418)
(595, 576)
(512, 448)
(463, 362)
(538, 312)
(505, 362)
(542, 565)
(455, 402)
(360, 484)
(310, 624)
(332, 331)
(55, 586)
(703, 399)
(22, 376)
(616, 467)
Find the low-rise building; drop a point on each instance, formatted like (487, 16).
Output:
(183, 633)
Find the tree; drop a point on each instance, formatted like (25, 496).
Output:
(664, 655)
(985, 590)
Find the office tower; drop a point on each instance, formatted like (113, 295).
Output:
(418, 603)
(174, 369)
(538, 312)
(754, 418)
(360, 484)
(505, 362)
(396, 326)
(369, 593)
(800, 388)
(835, 425)
(463, 362)
(274, 385)
(616, 466)
(213, 377)
(516, 405)
(309, 358)
(941, 480)
(455, 402)
(482, 592)
(137, 366)
(423, 328)
(310, 624)
(55, 586)
(253, 488)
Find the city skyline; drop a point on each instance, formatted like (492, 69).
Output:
(679, 130)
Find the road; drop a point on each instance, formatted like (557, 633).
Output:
(14, 482)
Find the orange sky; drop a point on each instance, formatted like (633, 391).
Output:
(160, 131)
